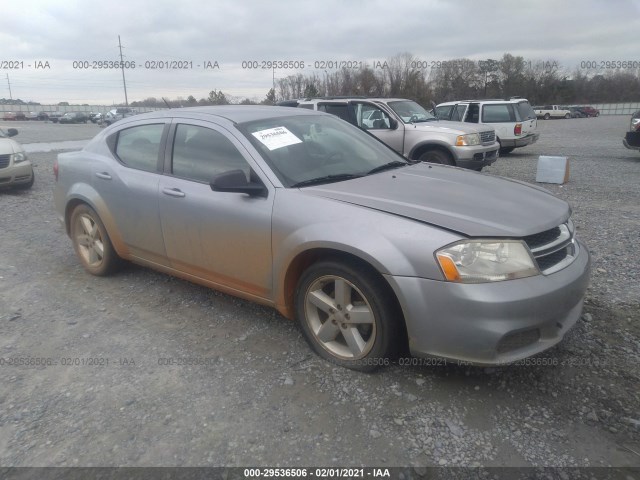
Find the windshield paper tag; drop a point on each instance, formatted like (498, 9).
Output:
(274, 138)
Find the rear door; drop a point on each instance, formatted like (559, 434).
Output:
(129, 186)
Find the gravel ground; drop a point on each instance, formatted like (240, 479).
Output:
(258, 396)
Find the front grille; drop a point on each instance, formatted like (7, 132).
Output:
(553, 249)
(488, 137)
(539, 239)
(4, 161)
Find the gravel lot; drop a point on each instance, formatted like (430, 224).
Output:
(262, 398)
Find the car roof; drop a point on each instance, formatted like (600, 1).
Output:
(233, 113)
(355, 97)
(493, 100)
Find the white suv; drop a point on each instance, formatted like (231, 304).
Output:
(514, 119)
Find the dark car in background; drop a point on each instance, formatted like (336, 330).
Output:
(55, 116)
(576, 112)
(37, 116)
(632, 138)
(74, 117)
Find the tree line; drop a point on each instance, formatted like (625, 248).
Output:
(406, 76)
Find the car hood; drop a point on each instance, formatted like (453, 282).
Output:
(454, 128)
(473, 204)
(8, 146)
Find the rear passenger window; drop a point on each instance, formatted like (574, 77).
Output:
(138, 147)
(498, 113)
(200, 153)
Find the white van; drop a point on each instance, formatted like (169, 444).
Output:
(514, 120)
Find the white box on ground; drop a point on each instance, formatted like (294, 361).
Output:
(552, 169)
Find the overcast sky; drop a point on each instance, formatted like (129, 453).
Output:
(63, 31)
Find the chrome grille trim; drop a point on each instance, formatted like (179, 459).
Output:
(488, 137)
(553, 249)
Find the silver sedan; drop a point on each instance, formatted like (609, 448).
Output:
(303, 212)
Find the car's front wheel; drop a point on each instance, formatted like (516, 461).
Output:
(436, 156)
(347, 315)
(91, 242)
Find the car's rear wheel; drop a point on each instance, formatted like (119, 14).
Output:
(436, 156)
(505, 150)
(568, 115)
(91, 242)
(347, 316)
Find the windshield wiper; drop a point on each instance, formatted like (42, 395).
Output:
(325, 179)
(387, 166)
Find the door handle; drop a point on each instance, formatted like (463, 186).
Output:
(103, 175)
(173, 192)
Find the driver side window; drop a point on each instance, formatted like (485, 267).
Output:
(199, 153)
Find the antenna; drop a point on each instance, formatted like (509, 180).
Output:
(124, 82)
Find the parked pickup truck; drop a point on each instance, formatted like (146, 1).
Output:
(552, 111)
(413, 132)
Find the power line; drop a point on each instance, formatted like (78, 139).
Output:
(9, 83)
(126, 100)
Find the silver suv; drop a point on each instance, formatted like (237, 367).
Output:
(414, 132)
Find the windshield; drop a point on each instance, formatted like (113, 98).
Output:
(411, 112)
(305, 148)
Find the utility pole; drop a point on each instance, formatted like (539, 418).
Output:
(124, 82)
(9, 83)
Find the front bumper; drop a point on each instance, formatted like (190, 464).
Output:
(632, 140)
(16, 174)
(492, 323)
(477, 156)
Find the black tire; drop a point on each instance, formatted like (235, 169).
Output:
(547, 116)
(597, 114)
(506, 150)
(92, 243)
(436, 156)
(568, 115)
(370, 344)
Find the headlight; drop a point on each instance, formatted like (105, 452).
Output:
(635, 123)
(480, 261)
(468, 139)
(18, 157)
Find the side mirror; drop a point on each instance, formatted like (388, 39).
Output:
(235, 181)
(393, 123)
(12, 132)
